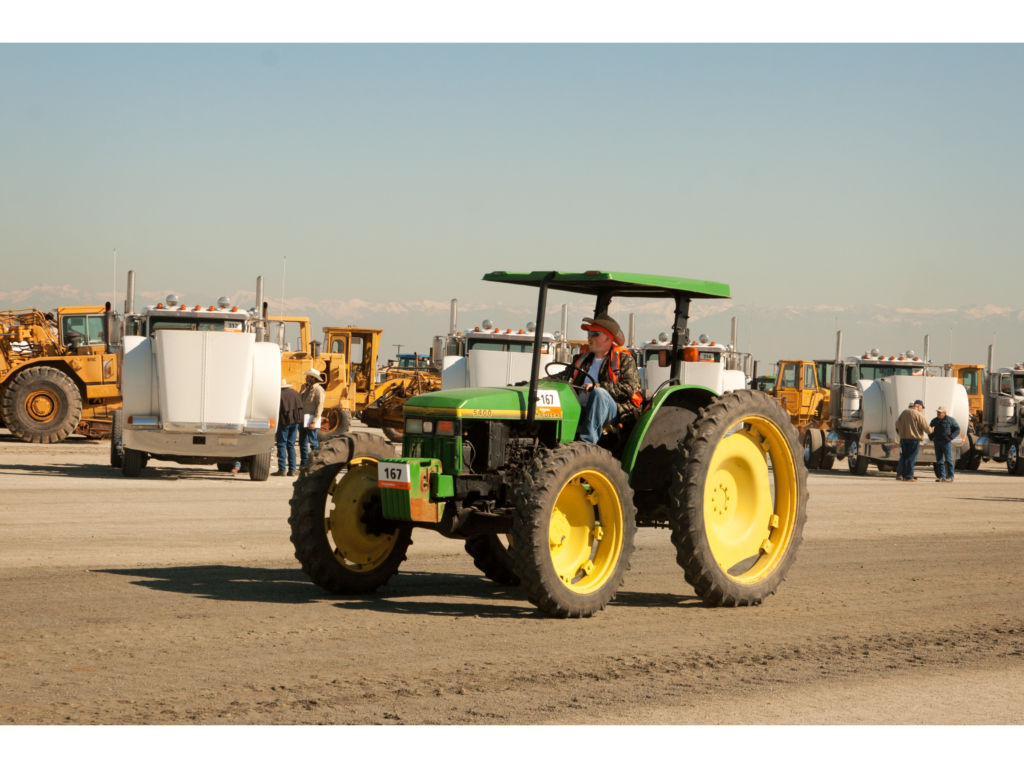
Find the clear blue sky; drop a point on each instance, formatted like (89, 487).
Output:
(801, 175)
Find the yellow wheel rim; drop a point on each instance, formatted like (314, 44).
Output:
(748, 531)
(354, 547)
(41, 405)
(585, 532)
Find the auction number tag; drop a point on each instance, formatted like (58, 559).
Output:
(707, 356)
(232, 326)
(548, 404)
(393, 476)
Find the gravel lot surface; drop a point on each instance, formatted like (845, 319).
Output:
(175, 598)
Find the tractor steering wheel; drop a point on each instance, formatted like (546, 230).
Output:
(578, 387)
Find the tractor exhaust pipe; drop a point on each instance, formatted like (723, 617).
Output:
(630, 342)
(839, 346)
(565, 322)
(927, 348)
(129, 298)
(453, 318)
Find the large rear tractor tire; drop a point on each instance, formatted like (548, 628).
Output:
(812, 449)
(736, 536)
(116, 440)
(259, 467)
(572, 534)
(492, 558)
(42, 405)
(133, 462)
(340, 536)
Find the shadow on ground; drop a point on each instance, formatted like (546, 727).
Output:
(105, 470)
(410, 592)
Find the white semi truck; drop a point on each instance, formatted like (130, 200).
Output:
(718, 367)
(1002, 427)
(200, 385)
(867, 396)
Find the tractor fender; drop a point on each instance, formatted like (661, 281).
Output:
(651, 449)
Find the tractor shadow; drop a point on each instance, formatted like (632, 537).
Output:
(414, 593)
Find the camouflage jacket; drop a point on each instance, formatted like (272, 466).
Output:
(622, 390)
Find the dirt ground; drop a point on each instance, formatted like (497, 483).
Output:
(175, 598)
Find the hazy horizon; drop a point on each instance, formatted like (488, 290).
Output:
(877, 185)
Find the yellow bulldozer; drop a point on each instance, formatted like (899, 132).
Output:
(406, 376)
(59, 372)
(802, 388)
(347, 359)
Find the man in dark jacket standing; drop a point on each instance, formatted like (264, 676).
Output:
(944, 431)
(289, 416)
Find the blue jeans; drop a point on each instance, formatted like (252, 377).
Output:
(944, 459)
(600, 410)
(286, 436)
(908, 455)
(308, 442)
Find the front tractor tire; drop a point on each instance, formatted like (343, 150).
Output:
(572, 534)
(42, 405)
(736, 535)
(340, 536)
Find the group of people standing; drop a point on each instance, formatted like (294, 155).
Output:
(299, 419)
(913, 427)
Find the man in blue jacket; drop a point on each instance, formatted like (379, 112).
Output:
(944, 431)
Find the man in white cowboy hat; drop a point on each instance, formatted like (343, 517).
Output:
(607, 376)
(312, 410)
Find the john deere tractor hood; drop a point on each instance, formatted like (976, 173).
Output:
(555, 400)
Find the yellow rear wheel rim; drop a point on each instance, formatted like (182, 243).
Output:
(748, 531)
(585, 532)
(354, 547)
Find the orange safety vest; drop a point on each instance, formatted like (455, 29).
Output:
(580, 376)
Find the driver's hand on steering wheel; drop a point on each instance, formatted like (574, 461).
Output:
(587, 387)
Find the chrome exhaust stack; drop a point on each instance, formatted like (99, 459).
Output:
(129, 298)
(453, 318)
(261, 330)
(631, 339)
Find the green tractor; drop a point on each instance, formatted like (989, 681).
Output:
(501, 468)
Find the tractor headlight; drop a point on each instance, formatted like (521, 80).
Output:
(428, 427)
(414, 426)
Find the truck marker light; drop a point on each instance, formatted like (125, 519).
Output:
(234, 309)
(211, 309)
(159, 306)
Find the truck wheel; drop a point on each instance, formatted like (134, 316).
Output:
(132, 462)
(812, 449)
(116, 437)
(340, 536)
(736, 535)
(259, 467)
(491, 557)
(394, 435)
(42, 405)
(335, 422)
(858, 464)
(572, 534)
(975, 461)
(1014, 463)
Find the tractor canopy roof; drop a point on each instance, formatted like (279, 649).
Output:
(618, 283)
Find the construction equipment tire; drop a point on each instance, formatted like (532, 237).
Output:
(492, 558)
(42, 405)
(259, 467)
(341, 539)
(116, 440)
(394, 435)
(132, 462)
(736, 533)
(813, 449)
(336, 421)
(828, 461)
(572, 533)
(975, 462)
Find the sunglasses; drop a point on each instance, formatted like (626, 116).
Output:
(594, 334)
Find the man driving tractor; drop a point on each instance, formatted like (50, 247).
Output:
(607, 376)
